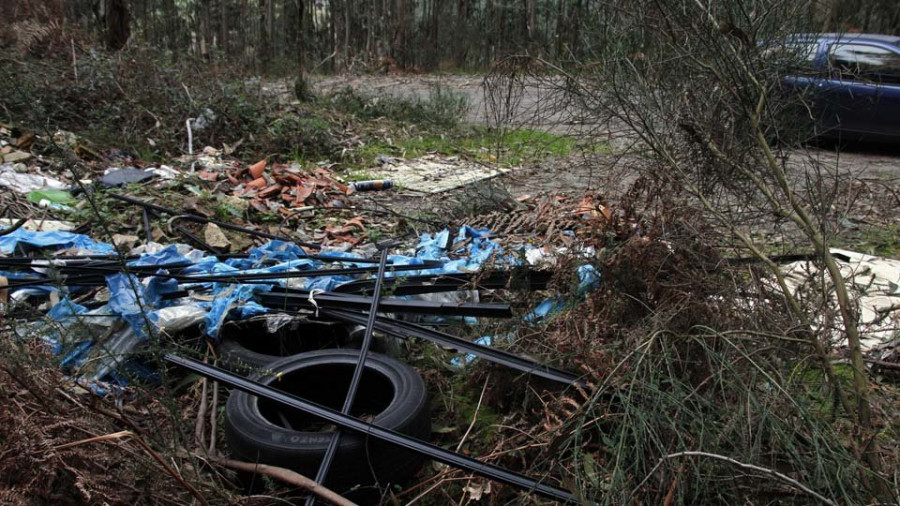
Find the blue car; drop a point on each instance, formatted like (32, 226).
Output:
(853, 82)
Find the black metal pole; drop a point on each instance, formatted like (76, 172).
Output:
(322, 474)
(406, 330)
(145, 216)
(368, 430)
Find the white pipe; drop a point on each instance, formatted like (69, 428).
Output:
(190, 136)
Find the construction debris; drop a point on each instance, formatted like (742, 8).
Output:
(434, 173)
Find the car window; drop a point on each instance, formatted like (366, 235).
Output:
(863, 62)
(792, 56)
(805, 51)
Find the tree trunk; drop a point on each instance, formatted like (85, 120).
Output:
(223, 28)
(205, 31)
(346, 31)
(263, 51)
(118, 24)
(270, 27)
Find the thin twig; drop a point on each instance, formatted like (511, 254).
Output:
(770, 472)
(883, 363)
(285, 475)
(201, 415)
(474, 415)
(212, 418)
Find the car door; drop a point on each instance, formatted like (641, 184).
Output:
(861, 93)
(802, 63)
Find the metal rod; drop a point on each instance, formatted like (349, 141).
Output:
(322, 474)
(434, 283)
(145, 217)
(360, 302)
(368, 430)
(409, 330)
(259, 277)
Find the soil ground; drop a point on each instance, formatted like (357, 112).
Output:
(871, 173)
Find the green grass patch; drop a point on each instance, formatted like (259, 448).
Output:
(479, 144)
(878, 240)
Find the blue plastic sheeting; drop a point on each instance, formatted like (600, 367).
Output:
(480, 249)
(276, 250)
(133, 301)
(433, 247)
(138, 303)
(55, 239)
(64, 313)
(588, 281)
(31, 290)
(166, 256)
(65, 309)
(326, 283)
(232, 300)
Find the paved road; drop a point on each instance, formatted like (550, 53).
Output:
(533, 106)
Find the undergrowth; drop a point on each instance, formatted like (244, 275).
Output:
(139, 101)
(441, 107)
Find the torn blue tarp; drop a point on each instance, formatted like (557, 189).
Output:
(588, 281)
(235, 301)
(65, 309)
(433, 247)
(166, 256)
(64, 313)
(82, 244)
(276, 250)
(141, 305)
(133, 301)
(480, 249)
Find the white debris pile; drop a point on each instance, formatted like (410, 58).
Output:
(433, 173)
(874, 284)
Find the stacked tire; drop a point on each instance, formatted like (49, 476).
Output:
(391, 395)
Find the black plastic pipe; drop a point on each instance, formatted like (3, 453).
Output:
(322, 473)
(408, 330)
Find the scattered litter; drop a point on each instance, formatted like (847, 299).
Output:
(177, 318)
(24, 182)
(873, 282)
(374, 185)
(288, 189)
(256, 170)
(115, 177)
(50, 195)
(214, 236)
(15, 156)
(169, 288)
(164, 172)
(40, 225)
(124, 241)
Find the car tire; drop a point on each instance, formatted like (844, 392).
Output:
(250, 348)
(391, 393)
